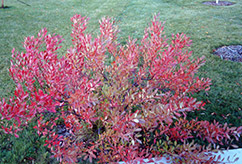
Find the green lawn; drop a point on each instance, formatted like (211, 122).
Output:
(208, 26)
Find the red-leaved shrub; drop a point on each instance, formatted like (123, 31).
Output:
(112, 102)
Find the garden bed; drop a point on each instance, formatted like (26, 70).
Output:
(220, 3)
(233, 53)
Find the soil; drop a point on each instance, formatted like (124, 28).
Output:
(232, 52)
(220, 3)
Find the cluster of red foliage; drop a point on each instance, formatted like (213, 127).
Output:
(117, 102)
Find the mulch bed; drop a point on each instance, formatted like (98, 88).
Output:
(232, 52)
(220, 3)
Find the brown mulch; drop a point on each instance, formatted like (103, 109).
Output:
(220, 3)
(233, 53)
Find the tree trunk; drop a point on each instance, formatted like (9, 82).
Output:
(217, 1)
(2, 3)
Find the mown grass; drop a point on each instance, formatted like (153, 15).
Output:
(208, 26)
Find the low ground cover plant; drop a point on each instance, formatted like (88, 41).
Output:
(112, 102)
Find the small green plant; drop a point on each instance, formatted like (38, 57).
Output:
(115, 102)
(28, 148)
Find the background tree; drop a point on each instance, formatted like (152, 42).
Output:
(2, 3)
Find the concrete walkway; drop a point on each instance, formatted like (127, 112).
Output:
(232, 154)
